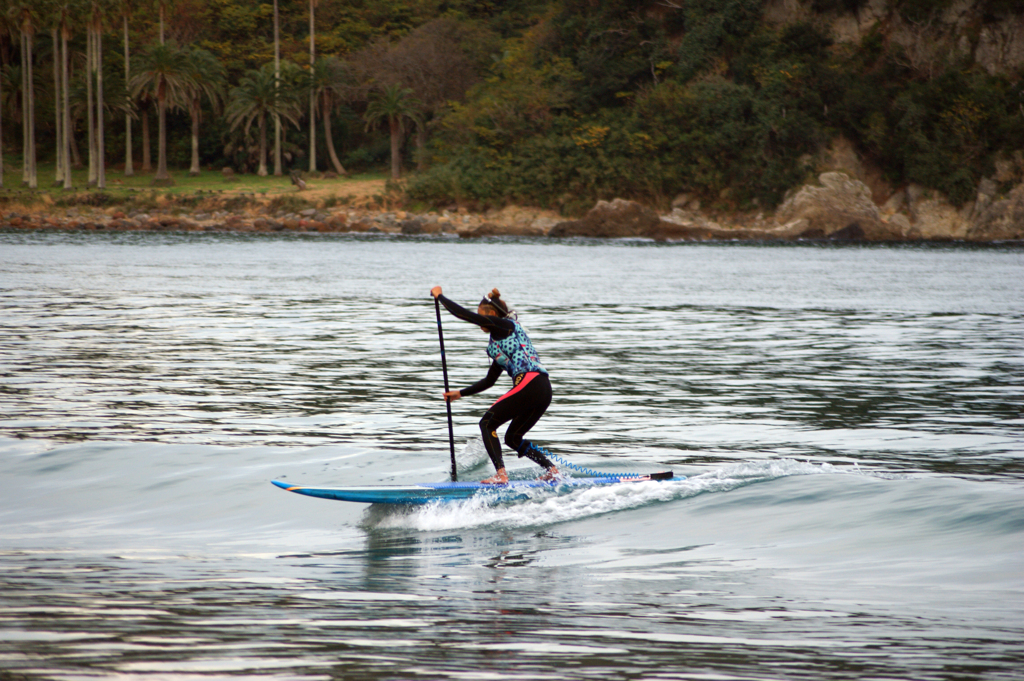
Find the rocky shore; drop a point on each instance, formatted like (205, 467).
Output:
(837, 207)
(511, 221)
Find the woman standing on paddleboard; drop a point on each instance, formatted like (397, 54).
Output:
(510, 350)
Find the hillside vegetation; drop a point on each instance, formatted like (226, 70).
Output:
(559, 103)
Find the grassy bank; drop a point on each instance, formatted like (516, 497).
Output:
(190, 191)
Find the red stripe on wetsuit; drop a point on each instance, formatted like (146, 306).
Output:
(527, 377)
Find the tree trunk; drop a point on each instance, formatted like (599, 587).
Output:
(1, 130)
(24, 110)
(33, 178)
(312, 96)
(262, 172)
(277, 83)
(421, 147)
(58, 175)
(195, 111)
(147, 161)
(76, 155)
(162, 176)
(67, 106)
(329, 140)
(25, 117)
(90, 121)
(396, 154)
(101, 147)
(161, 22)
(129, 166)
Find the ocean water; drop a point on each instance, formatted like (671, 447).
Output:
(850, 420)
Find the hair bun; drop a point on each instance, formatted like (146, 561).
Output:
(494, 294)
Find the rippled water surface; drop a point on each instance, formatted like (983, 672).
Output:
(850, 419)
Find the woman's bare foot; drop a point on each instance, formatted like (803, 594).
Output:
(499, 478)
(550, 474)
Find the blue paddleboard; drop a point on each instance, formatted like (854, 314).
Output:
(427, 492)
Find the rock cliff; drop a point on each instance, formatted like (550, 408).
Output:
(995, 40)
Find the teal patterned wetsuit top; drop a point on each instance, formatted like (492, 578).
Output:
(515, 353)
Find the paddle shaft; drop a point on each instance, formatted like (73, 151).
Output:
(447, 402)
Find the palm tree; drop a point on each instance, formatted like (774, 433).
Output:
(163, 73)
(277, 80)
(14, 101)
(4, 30)
(1, 126)
(396, 105)
(94, 59)
(258, 95)
(163, 5)
(58, 118)
(312, 94)
(23, 13)
(129, 167)
(90, 123)
(65, 33)
(206, 78)
(327, 81)
(144, 103)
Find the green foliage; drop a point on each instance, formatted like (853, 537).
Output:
(740, 138)
(163, 73)
(612, 46)
(368, 157)
(563, 102)
(525, 91)
(394, 105)
(734, 119)
(260, 94)
(942, 132)
(948, 129)
(94, 199)
(714, 29)
(289, 203)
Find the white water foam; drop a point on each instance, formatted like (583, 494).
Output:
(471, 456)
(547, 507)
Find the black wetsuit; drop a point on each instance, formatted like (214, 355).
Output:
(523, 405)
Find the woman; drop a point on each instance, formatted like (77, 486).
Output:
(510, 350)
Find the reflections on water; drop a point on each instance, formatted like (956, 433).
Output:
(599, 599)
(850, 419)
(174, 361)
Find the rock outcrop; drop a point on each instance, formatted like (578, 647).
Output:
(999, 219)
(934, 217)
(611, 220)
(964, 28)
(512, 221)
(837, 208)
(840, 205)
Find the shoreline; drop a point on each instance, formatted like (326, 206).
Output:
(464, 225)
(835, 208)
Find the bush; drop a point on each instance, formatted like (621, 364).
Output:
(942, 132)
(369, 158)
(732, 117)
(949, 129)
(288, 203)
(94, 199)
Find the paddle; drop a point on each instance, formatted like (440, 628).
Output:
(447, 402)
